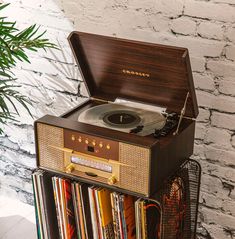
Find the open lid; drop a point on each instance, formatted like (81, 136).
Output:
(138, 71)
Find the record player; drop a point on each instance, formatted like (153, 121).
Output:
(138, 125)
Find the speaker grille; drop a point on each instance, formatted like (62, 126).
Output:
(136, 177)
(48, 156)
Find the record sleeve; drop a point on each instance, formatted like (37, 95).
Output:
(93, 213)
(70, 218)
(106, 213)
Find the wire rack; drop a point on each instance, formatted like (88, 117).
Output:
(179, 201)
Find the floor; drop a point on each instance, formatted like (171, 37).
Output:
(17, 220)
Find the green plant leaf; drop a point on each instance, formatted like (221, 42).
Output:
(2, 6)
(13, 46)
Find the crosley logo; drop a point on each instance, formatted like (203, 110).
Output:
(129, 72)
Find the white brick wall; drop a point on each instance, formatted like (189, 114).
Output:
(206, 27)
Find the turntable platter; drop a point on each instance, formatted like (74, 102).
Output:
(122, 118)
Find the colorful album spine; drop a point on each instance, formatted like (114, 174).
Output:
(81, 215)
(93, 213)
(120, 222)
(144, 221)
(106, 213)
(85, 209)
(138, 219)
(55, 184)
(38, 224)
(71, 226)
(115, 216)
(118, 219)
(129, 214)
(121, 205)
(99, 221)
(76, 211)
(39, 182)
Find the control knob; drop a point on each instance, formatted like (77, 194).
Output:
(70, 168)
(112, 180)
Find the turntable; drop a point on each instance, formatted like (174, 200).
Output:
(138, 125)
(124, 118)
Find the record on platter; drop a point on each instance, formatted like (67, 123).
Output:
(123, 118)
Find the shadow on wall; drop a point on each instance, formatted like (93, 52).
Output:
(53, 83)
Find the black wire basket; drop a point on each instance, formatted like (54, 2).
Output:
(179, 202)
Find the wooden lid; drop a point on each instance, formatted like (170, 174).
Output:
(138, 71)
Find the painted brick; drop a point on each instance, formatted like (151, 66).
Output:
(23, 159)
(171, 8)
(223, 120)
(233, 141)
(198, 64)
(203, 116)
(227, 86)
(210, 200)
(198, 47)
(42, 65)
(221, 156)
(210, 30)
(205, 82)
(208, 10)
(220, 102)
(226, 174)
(219, 137)
(25, 140)
(216, 217)
(230, 52)
(200, 131)
(215, 231)
(222, 68)
(229, 207)
(212, 185)
(184, 26)
(198, 151)
(224, 1)
(231, 34)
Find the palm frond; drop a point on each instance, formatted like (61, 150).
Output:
(13, 46)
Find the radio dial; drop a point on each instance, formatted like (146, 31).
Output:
(112, 180)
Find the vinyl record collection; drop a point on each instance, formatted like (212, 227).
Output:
(77, 205)
(70, 209)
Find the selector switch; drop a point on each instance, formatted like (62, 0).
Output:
(79, 139)
(100, 145)
(108, 146)
(93, 143)
(86, 141)
(73, 138)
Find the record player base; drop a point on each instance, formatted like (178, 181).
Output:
(178, 200)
